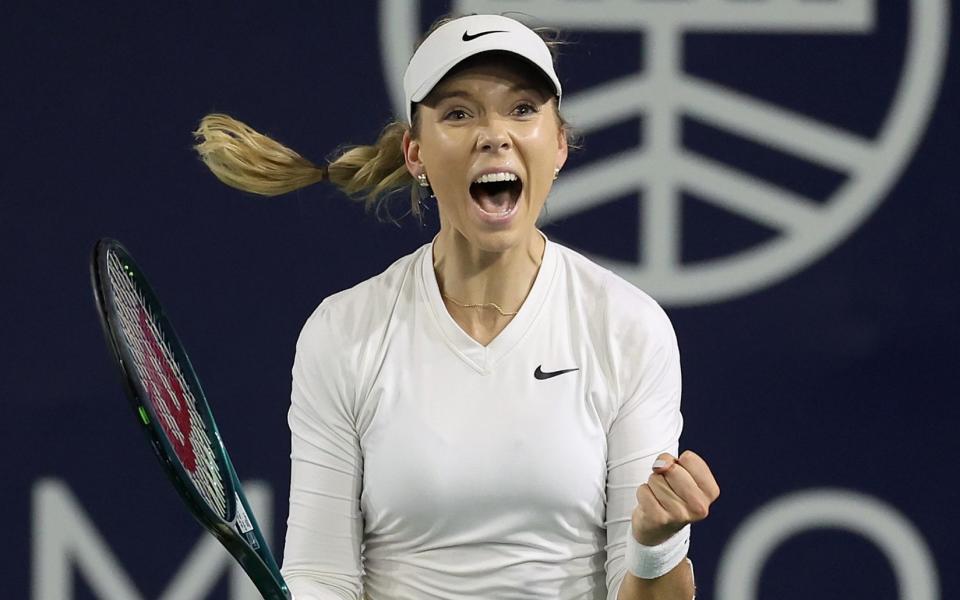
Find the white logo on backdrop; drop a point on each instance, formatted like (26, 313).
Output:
(664, 93)
(68, 547)
(757, 538)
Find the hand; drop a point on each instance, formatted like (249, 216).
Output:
(679, 491)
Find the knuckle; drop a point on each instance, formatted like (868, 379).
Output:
(699, 511)
(714, 493)
(692, 460)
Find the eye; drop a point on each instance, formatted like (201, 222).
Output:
(457, 114)
(525, 109)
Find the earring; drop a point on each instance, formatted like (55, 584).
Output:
(425, 193)
(556, 173)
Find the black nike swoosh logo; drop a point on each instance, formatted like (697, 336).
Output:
(467, 37)
(540, 374)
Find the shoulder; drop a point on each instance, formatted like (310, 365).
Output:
(617, 303)
(634, 310)
(353, 313)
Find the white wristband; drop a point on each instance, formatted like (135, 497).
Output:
(650, 562)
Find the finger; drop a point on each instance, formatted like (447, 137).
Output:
(701, 473)
(682, 484)
(667, 498)
(651, 507)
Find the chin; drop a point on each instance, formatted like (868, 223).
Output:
(495, 235)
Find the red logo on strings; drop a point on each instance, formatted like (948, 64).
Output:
(160, 394)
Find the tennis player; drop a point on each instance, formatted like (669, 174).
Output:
(494, 416)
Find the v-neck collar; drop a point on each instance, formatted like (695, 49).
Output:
(480, 357)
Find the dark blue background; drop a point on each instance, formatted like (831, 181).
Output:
(843, 375)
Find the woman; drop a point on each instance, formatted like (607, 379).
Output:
(494, 416)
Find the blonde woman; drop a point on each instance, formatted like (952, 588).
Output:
(494, 416)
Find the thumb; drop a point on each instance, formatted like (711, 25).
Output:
(663, 463)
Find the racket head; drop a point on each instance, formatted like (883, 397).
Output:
(161, 384)
(172, 410)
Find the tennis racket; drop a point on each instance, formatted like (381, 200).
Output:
(172, 411)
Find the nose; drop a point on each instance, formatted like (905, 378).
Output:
(493, 137)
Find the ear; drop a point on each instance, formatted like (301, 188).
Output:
(562, 149)
(411, 154)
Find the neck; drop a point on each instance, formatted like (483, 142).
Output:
(471, 275)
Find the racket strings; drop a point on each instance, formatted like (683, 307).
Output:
(158, 367)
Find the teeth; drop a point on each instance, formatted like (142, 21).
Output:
(500, 213)
(492, 177)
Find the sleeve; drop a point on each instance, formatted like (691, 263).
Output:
(322, 553)
(645, 368)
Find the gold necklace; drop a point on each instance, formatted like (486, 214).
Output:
(480, 306)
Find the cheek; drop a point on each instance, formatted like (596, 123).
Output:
(541, 156)
(542, 139)
(443, 152)
(447, 162)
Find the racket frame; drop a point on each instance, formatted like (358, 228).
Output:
(248, 548)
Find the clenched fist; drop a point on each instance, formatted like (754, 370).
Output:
(679, 491)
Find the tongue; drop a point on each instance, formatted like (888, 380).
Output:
(498, 202)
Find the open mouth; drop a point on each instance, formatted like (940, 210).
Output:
(496, 193)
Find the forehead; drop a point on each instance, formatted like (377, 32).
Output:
(496, 68)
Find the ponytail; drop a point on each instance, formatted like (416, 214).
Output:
(249, 161)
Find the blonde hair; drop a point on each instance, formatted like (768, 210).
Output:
(247, 160)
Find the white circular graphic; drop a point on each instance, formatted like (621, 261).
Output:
(742, 561)
(662, 167)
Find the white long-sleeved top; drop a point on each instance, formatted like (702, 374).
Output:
(426, 465)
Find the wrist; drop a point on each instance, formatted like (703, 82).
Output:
(650, 562)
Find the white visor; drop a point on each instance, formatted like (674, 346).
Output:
(462, 38)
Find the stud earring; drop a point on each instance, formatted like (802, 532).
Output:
(556, 173)
(422, 178)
